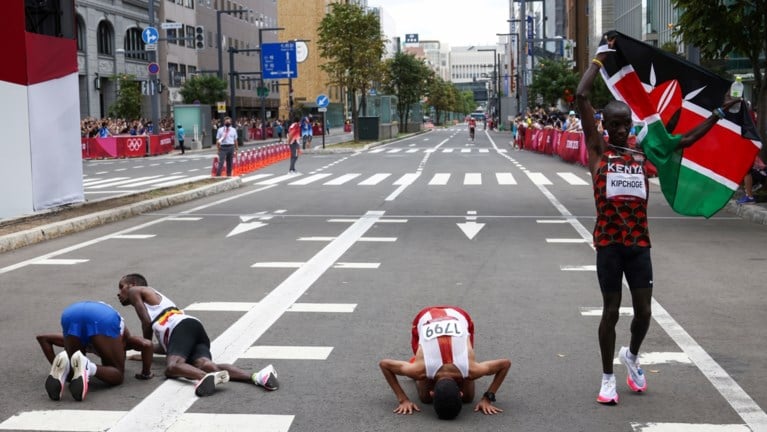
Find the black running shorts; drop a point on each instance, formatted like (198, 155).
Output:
(616, 260)
(189, 340)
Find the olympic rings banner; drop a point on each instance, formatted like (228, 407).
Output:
(122, 146)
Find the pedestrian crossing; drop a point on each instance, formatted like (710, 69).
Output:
(123, 184)
(457, 150)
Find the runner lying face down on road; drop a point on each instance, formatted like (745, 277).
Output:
(444, 366)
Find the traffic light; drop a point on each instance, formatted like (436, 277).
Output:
(199, 37)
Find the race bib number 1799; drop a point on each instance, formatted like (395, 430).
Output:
(442, 328)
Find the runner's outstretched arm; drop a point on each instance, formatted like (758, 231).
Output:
(392, 368)
(499, 368)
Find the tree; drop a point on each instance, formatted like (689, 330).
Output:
(467, 104)
(407, 77)
(552, 81)
(205, 89)
(442, 96)
(127, 105)
(351, 43)
(725, 27)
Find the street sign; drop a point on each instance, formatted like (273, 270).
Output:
(171, 25)
(262, 91)
(221, 107)
(150, 47)
(322, 109)
(411, 38)
(372, 92)
(153, 68)
(323, 101)
(278, 60)
(150, 35)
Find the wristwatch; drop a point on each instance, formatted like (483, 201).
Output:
(489, 395)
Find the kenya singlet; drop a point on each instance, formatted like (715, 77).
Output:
(620, 194)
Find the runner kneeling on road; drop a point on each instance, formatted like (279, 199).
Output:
(98, 328)
(444, 366)
(183, 339)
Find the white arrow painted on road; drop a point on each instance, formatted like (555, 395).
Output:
(245, 225)
(470, 227)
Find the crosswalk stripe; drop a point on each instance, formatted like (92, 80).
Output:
(147, 182)
(484, 150)
(377, 150)
(255, 177)
(276, 180)
(440, 179)
(182, 180)
(310, 179)
(374, 179)
(472, 179)
(539, 179)
(122, 182)
(505, 179)
(447, 150)
(343, 179)
(572, 179)
(412, 150)
(406, 179)
(465, 150)
(396, 150)
(105, 181)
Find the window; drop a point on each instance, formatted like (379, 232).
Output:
(172, 75)
(105, 38)
(172, 35)
(210, 39)
(189, 4)
(134, 45)
(190, 35)
(80, 34)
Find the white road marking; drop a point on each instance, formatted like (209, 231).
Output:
(59, 261)
(374, 179)
(357, 265)
(655, 358)
(296, 307)
(378, 221)
(412, 150)
(310, 179)
(465, 150)
(406, 179)
(362, 239)
(592, 268)
(276, 180)
(688, 427)
(572, 179)
(163, 407)
(378, 150)
(146, 182)
(295, 264)
(255, 177)
(472, 179)
(484, 150)
(232, 422)
(134, 236)
(62, 420)
(538, 179)
(440, 179)
(121, 169)
(181, 180)
(341, 180)
(566, 240)
(89, 184)
(505, 179)
(185, 219)
(551, 221)
(288, 352)
(396, 150)
(447, 150)
(597, 311)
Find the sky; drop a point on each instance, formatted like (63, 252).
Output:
(459, 23)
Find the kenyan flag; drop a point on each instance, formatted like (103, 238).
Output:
(671, 96)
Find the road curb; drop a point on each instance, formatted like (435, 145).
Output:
(751, 212)
(58, 229)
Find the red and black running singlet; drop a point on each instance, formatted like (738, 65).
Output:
(620, 195)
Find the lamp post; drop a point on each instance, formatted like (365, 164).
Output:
(218, 35)
(495, 80)
(522, 90)
(261, 81)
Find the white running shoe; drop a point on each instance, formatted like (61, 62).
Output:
(207, 385)
(79, 384)
(266, 378)
(608, 395)
(635, 377)
(54, 384)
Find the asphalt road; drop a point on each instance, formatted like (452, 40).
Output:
(321, 274)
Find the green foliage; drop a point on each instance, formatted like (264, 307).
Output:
(442, 96)
(467, 102)
(208, 89)
(720, 28)
(670, 47)
(351, 44)
(127, 105)
(409, 79)
(551, 80)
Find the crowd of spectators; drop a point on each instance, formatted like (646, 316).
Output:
(93, 127)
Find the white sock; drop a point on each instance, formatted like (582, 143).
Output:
(90, 367)
(606, 376)
(630, 356)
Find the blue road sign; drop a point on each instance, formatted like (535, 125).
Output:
(322, 101)
(153, 68)
(150, 35)
(278, 60)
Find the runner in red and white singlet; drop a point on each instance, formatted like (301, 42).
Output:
(444, 364)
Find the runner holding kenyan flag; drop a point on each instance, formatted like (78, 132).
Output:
(621, 235)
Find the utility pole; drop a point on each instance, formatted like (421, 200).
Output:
(155, 97)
